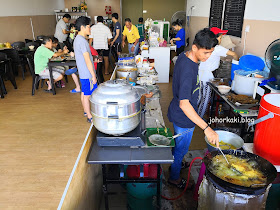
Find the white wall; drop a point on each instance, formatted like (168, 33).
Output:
(263, 10)
(29, 7)
(202, 7)
(255, 9)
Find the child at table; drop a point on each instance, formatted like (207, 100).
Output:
(65, 70)
(73, 33)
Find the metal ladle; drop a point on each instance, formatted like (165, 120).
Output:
(158, 139)
(230, 166)
(224, 155)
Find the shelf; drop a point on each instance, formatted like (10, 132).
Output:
(74, 15)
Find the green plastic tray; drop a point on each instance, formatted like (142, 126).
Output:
(151, 131)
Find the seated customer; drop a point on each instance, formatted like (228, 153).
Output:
(68, 71)
(60, 69)
(41, 59)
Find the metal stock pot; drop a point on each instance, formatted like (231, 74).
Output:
(115, 107)
(129, 72)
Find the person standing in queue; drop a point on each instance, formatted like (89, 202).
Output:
(180, 37)
(84, 61)
(141, 29)
(99, 39)
(182, 111)
(61, 30)
(130, 32)
(116, 42)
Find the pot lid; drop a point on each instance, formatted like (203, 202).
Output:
(115, 91)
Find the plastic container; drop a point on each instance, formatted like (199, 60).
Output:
(234, 66)
(245, 85)
(134, 203)
(266, 138)
(251, 63)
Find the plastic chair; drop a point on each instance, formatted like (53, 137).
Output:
(18, 45)
(3, 90)
(6, 67)
(35, 44)
(35, 77)
(39, 41)
(28, 40)
(16, 60)
(40, 37)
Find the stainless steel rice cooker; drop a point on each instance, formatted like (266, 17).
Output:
(115, 107)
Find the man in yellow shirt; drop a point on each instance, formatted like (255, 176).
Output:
(131, 32)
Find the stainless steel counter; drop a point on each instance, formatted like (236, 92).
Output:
(127, 155)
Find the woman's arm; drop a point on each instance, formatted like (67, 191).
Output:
(176, 39)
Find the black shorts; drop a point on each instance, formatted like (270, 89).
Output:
(117, 47)
(103, 52)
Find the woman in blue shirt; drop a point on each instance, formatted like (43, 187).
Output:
(180, 37)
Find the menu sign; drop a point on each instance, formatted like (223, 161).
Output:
(233, 17)
(216, 12)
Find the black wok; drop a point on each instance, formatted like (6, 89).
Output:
(262, 164)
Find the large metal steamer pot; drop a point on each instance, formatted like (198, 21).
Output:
(130, 72)
(115, 107)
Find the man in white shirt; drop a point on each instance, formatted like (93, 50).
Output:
(61, 32)
(207, 67)
(100, 38)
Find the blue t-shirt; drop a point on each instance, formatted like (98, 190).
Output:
(185, 86)
(81, 46)
(118, 26)
(182, 34)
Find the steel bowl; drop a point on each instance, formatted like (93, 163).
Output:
(227, 137)
(127, 72)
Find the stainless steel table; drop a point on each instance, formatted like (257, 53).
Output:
(133, 156)
(252, 114)
(129, 156)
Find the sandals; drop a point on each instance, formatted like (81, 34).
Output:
(89, 120)
(74, 91)
(48, 91)
(185, 165)
(181, 185)
(85, 114)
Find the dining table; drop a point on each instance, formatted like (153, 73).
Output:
(65, 61)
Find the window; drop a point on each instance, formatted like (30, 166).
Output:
(229, 14)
